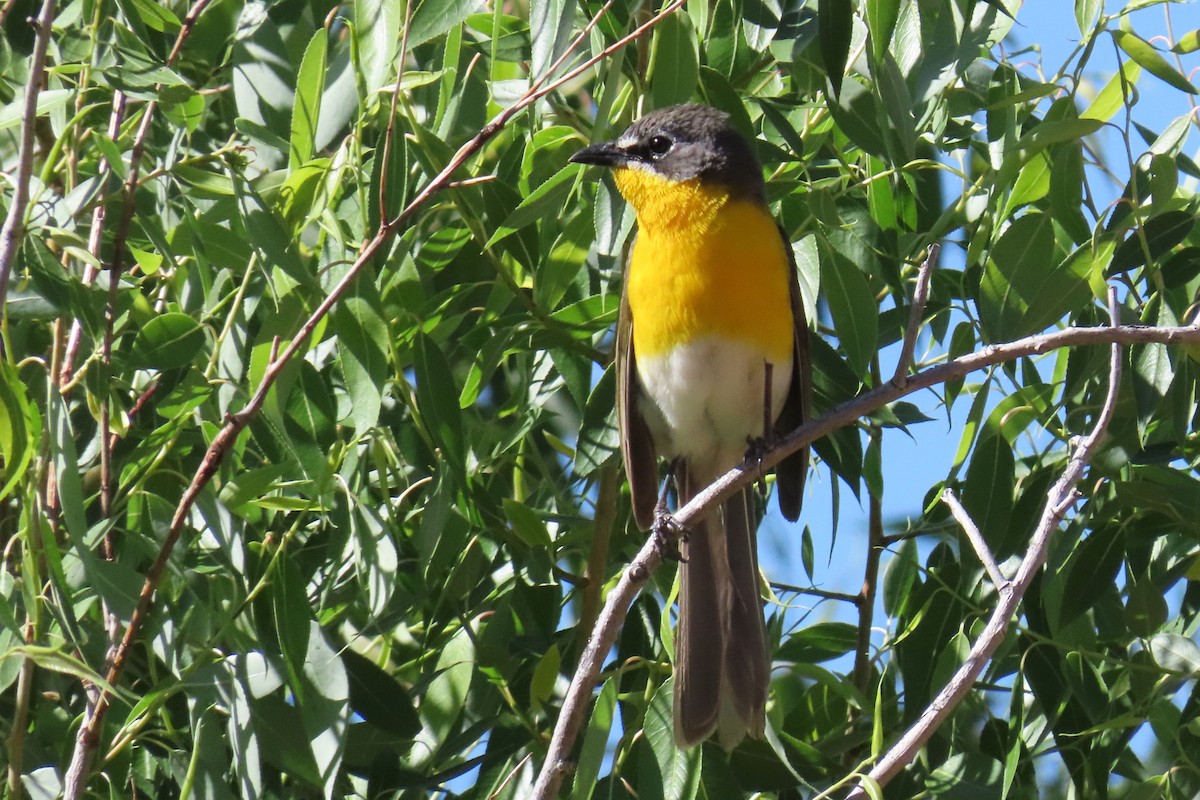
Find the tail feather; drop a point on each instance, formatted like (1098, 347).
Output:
(721, 663)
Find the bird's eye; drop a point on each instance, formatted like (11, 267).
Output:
(658, 145)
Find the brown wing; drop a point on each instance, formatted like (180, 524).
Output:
(637, 447)
(792, 471)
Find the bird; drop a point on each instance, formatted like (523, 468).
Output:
(712, 357)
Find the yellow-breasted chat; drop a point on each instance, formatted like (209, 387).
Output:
(711, 341)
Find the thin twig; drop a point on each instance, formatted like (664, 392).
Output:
(14, 225)
(96, 234)
(1062, 495)
(813, 591)
(95, 238)
(870, 584)
(915, 313)
(975, 536)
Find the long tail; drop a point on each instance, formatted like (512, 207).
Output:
(722, 668)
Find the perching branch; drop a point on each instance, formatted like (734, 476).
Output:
(14, 225)
(87, 738)
(1062, 495)
(557, 764)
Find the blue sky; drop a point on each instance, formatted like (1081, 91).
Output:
(912, 465)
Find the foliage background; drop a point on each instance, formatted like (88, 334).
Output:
(388, 579)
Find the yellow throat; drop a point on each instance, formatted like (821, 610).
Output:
(704, 264)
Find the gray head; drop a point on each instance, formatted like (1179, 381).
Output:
(684, 142)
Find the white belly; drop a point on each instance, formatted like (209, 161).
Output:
(704, 400)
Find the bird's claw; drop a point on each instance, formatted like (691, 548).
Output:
(668, 533)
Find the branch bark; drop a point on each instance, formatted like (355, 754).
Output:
(14, 225)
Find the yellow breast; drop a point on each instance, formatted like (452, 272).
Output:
(705, 264)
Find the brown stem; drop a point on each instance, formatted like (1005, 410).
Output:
(916, 312)
(870, 586)
(14, 225)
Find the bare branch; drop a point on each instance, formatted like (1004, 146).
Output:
(915, 313)
(975, 536)
(14, 225)
(850, 411)
(1062, 496)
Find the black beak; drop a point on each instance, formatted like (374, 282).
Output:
(604, 154)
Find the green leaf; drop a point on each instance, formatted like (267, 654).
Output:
(379, 697)
(377, 34)
(1188, 43)
(269, 235)
(1087, 13)
(18, 437)
(1181, 268)
(678, 770)
(1152, 61)
(183, 106)
(899, 578)
(1112, 98)
(988, 489)
(820, 642)
(835, 26)
(306, 107)
(291, 616)
(881, 22)
(1066, 191)
(1157, 237)
(760, 21)
(852, 306)
(437, 399)
(595, 741)
(545, 201)
(1032, 184)
(54, 660)
(1023, 290)
(153, 15)
(168, 341)
(675, 68)
(526, 524)
(1094, 564)
(1058, 131)
(365, 365)
(1176, 653)
(446, 696)
(434, 17)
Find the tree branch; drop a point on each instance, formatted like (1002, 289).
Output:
(14, 225)
(557, 764)
(1061, 496)
(976, 538)
(916, 311)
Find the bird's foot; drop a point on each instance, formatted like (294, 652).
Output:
(668, 533)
